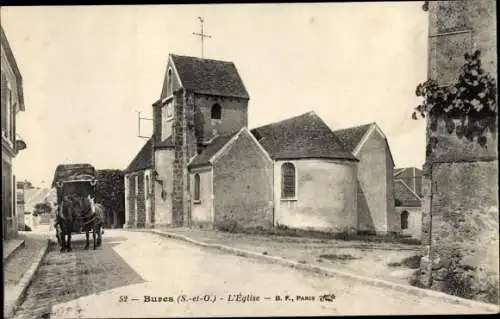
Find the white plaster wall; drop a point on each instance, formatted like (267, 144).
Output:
(326, 196)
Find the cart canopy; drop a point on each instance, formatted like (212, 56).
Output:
(82, 177)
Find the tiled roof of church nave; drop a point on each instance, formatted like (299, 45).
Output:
(143, 159)
(208, 76)
(352, 136)
(210, 150)
(303, 136)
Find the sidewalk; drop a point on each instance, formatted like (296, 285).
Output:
(379, 260)
(21, 266)
(11, 246)
(367, 270)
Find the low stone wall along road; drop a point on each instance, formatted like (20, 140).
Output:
(139, 274)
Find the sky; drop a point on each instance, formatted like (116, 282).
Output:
(88, 70)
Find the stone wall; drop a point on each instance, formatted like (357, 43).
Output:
(131, 197)
(243, 184)
(234, 115)
(141, 203)
(465, 221)
(460, 213)
(457, 27)
(185, 147)
(460, 221)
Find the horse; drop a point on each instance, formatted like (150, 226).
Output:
(65, 222)
(92, 218)
(78, 212)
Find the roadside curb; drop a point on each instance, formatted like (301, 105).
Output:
(25, 282)
(21, 244)
(336, 273)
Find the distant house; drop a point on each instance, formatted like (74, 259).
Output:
(408, 199)
(375, 198)
(412, 177)
(12, 102)
(20, 205)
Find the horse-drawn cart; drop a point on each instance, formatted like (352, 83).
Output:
(76, 211)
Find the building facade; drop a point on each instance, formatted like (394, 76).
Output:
(12, 102)
(375, 185)
(408, 200)
(203, 167)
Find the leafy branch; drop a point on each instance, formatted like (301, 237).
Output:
(42, 208)
(472, 100)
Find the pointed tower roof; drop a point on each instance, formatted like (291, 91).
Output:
(206, 76)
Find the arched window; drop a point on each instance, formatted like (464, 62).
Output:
(196, 187)
(170, 82)
(404, 219)
(216, 112)
(146, 186)
(288, 186)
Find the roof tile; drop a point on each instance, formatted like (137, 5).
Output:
(303, 136)
(209, 76)
(210, 150)
(404, 196)
(352, 136)
(143, 159)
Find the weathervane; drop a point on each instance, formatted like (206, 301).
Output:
(202, 35)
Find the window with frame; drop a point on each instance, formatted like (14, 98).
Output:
(404, 219)
(288, 181)
(216, 113)
(197, 187)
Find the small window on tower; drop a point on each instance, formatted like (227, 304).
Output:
(169, 110)
(216, 112)
(170, 82)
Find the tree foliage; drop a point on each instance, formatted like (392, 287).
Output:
(110, 190)
(42, 208)
(472, 100)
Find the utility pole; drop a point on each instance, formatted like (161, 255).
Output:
(139, 118)
(202, 35)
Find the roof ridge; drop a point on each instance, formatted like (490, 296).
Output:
(198, 58)
(356, 126)
(289, 119)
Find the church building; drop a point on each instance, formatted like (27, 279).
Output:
(203, 167)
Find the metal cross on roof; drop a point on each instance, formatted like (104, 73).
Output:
(202, 35)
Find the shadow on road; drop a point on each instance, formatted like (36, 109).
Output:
(63, 277)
